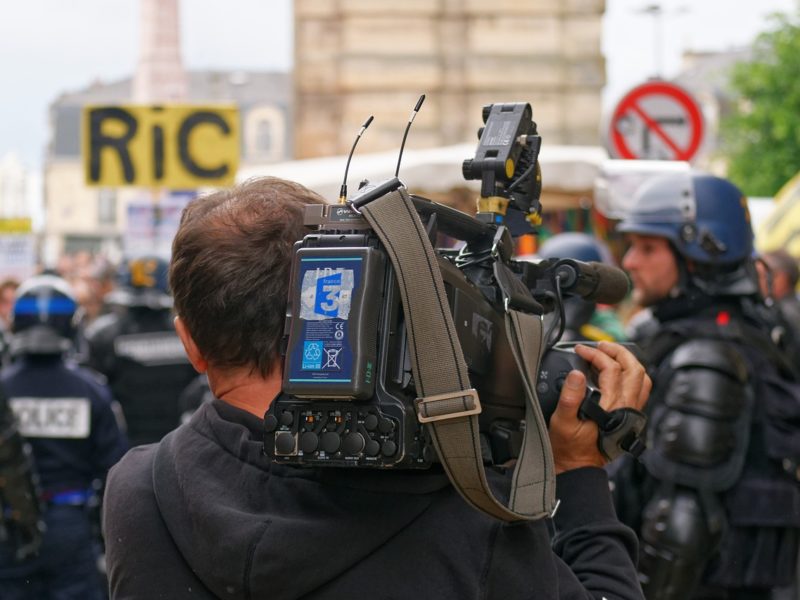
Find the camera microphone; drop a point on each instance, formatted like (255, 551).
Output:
(343, 189)
(405, 134)
(368, 192)
(593, 281)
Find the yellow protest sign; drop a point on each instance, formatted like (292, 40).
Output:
(164, 146)
(16, 225)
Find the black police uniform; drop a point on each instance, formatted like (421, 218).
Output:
(722, 420)
(213, 517)
(146, 366)
(67, 417)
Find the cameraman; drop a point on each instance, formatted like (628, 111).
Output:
(205, 514)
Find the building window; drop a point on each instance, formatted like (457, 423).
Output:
(107, 207)
(263, 138)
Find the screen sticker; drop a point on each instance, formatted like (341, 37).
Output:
(326, 293)
(327, 287)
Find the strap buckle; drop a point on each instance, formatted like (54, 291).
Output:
(446, 402)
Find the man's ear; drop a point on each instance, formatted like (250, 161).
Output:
(192, 351)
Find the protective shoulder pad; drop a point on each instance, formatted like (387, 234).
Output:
(710, 354)
(700, 423)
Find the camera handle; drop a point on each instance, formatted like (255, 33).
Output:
(447, 404)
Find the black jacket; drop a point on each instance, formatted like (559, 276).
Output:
(204, 514)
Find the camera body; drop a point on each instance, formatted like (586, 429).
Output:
(348, 390)
(348, 394)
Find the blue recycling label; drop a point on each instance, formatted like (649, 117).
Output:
(312, 355)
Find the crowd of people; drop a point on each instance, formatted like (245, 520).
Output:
(91, 366)
(711, 510)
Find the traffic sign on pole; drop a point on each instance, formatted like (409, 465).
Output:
(657, 120)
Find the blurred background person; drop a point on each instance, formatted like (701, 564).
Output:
(8, 288)
(92, 285)
(778, 277)
(135, 346)
(68, 418)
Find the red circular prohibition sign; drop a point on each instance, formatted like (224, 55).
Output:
(630, 103)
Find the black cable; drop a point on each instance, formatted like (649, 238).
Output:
(561, 316)
(522, 177)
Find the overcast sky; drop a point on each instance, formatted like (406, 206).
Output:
(51, 46)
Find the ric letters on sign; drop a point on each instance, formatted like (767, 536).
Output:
(170, 146)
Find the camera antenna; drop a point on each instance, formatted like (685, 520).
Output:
(405, 134)
(343, 189)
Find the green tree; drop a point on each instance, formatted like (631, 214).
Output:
(761, 139)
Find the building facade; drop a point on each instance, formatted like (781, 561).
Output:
(15, 188)
(355, 58)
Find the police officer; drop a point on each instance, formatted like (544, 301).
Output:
(67, 416)
(715, 511)
(137, 349)
(584, 319)
(778, 276)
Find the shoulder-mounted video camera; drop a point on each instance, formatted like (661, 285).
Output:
(350, 397)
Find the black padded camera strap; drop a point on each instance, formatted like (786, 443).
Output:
(446, 403)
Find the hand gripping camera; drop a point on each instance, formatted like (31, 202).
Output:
(359, 349)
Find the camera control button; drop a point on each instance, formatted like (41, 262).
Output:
(284, 443)
(386, 425)
(287, 418)
(270, 423)
(353, 444)
(428, 453)
(371, 422)
(372, 448)
(309, 442)
(388, 448)
(331, 442)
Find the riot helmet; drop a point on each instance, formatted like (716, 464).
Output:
(707, 221)
(142, 283)
(43, 317)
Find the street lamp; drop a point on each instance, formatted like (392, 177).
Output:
(657, 11)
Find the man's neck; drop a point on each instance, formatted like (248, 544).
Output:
(247, 390)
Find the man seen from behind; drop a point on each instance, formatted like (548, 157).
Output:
(206, 514)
